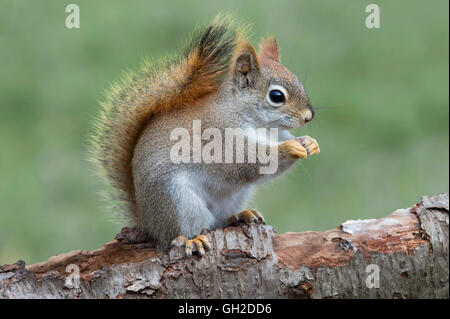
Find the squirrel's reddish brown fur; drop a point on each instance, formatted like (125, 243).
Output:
(155, 88)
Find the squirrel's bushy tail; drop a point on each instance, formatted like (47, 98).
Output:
(155, 88)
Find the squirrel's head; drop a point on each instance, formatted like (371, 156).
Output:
(271, 94)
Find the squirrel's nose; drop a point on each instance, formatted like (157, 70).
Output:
(308, 115)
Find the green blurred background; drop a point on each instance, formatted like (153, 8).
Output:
(384, 143)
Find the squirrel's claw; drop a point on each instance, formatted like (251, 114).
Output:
(247, 216)
(197, 244)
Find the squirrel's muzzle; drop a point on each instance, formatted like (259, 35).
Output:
(307, 115)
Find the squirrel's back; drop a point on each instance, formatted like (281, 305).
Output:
(156, 88)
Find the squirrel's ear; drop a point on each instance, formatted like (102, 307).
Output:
(246, 66)
(268, 49)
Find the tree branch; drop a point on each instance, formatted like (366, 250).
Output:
(404, 255)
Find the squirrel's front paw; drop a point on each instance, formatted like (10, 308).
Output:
(197, 244)
(309, 143)
(292, 149)
(300, 147)
(247, 216)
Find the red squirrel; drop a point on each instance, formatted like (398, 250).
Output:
(220, 80)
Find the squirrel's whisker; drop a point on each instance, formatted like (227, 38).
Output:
(324, 107)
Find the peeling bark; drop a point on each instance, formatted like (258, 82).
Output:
(408, 251)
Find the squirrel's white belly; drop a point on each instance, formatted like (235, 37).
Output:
(223, 199)
(220, 199)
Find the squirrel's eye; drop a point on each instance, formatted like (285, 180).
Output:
(276, 95)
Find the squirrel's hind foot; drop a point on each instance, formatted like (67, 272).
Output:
(247, 216)
(197, 244)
